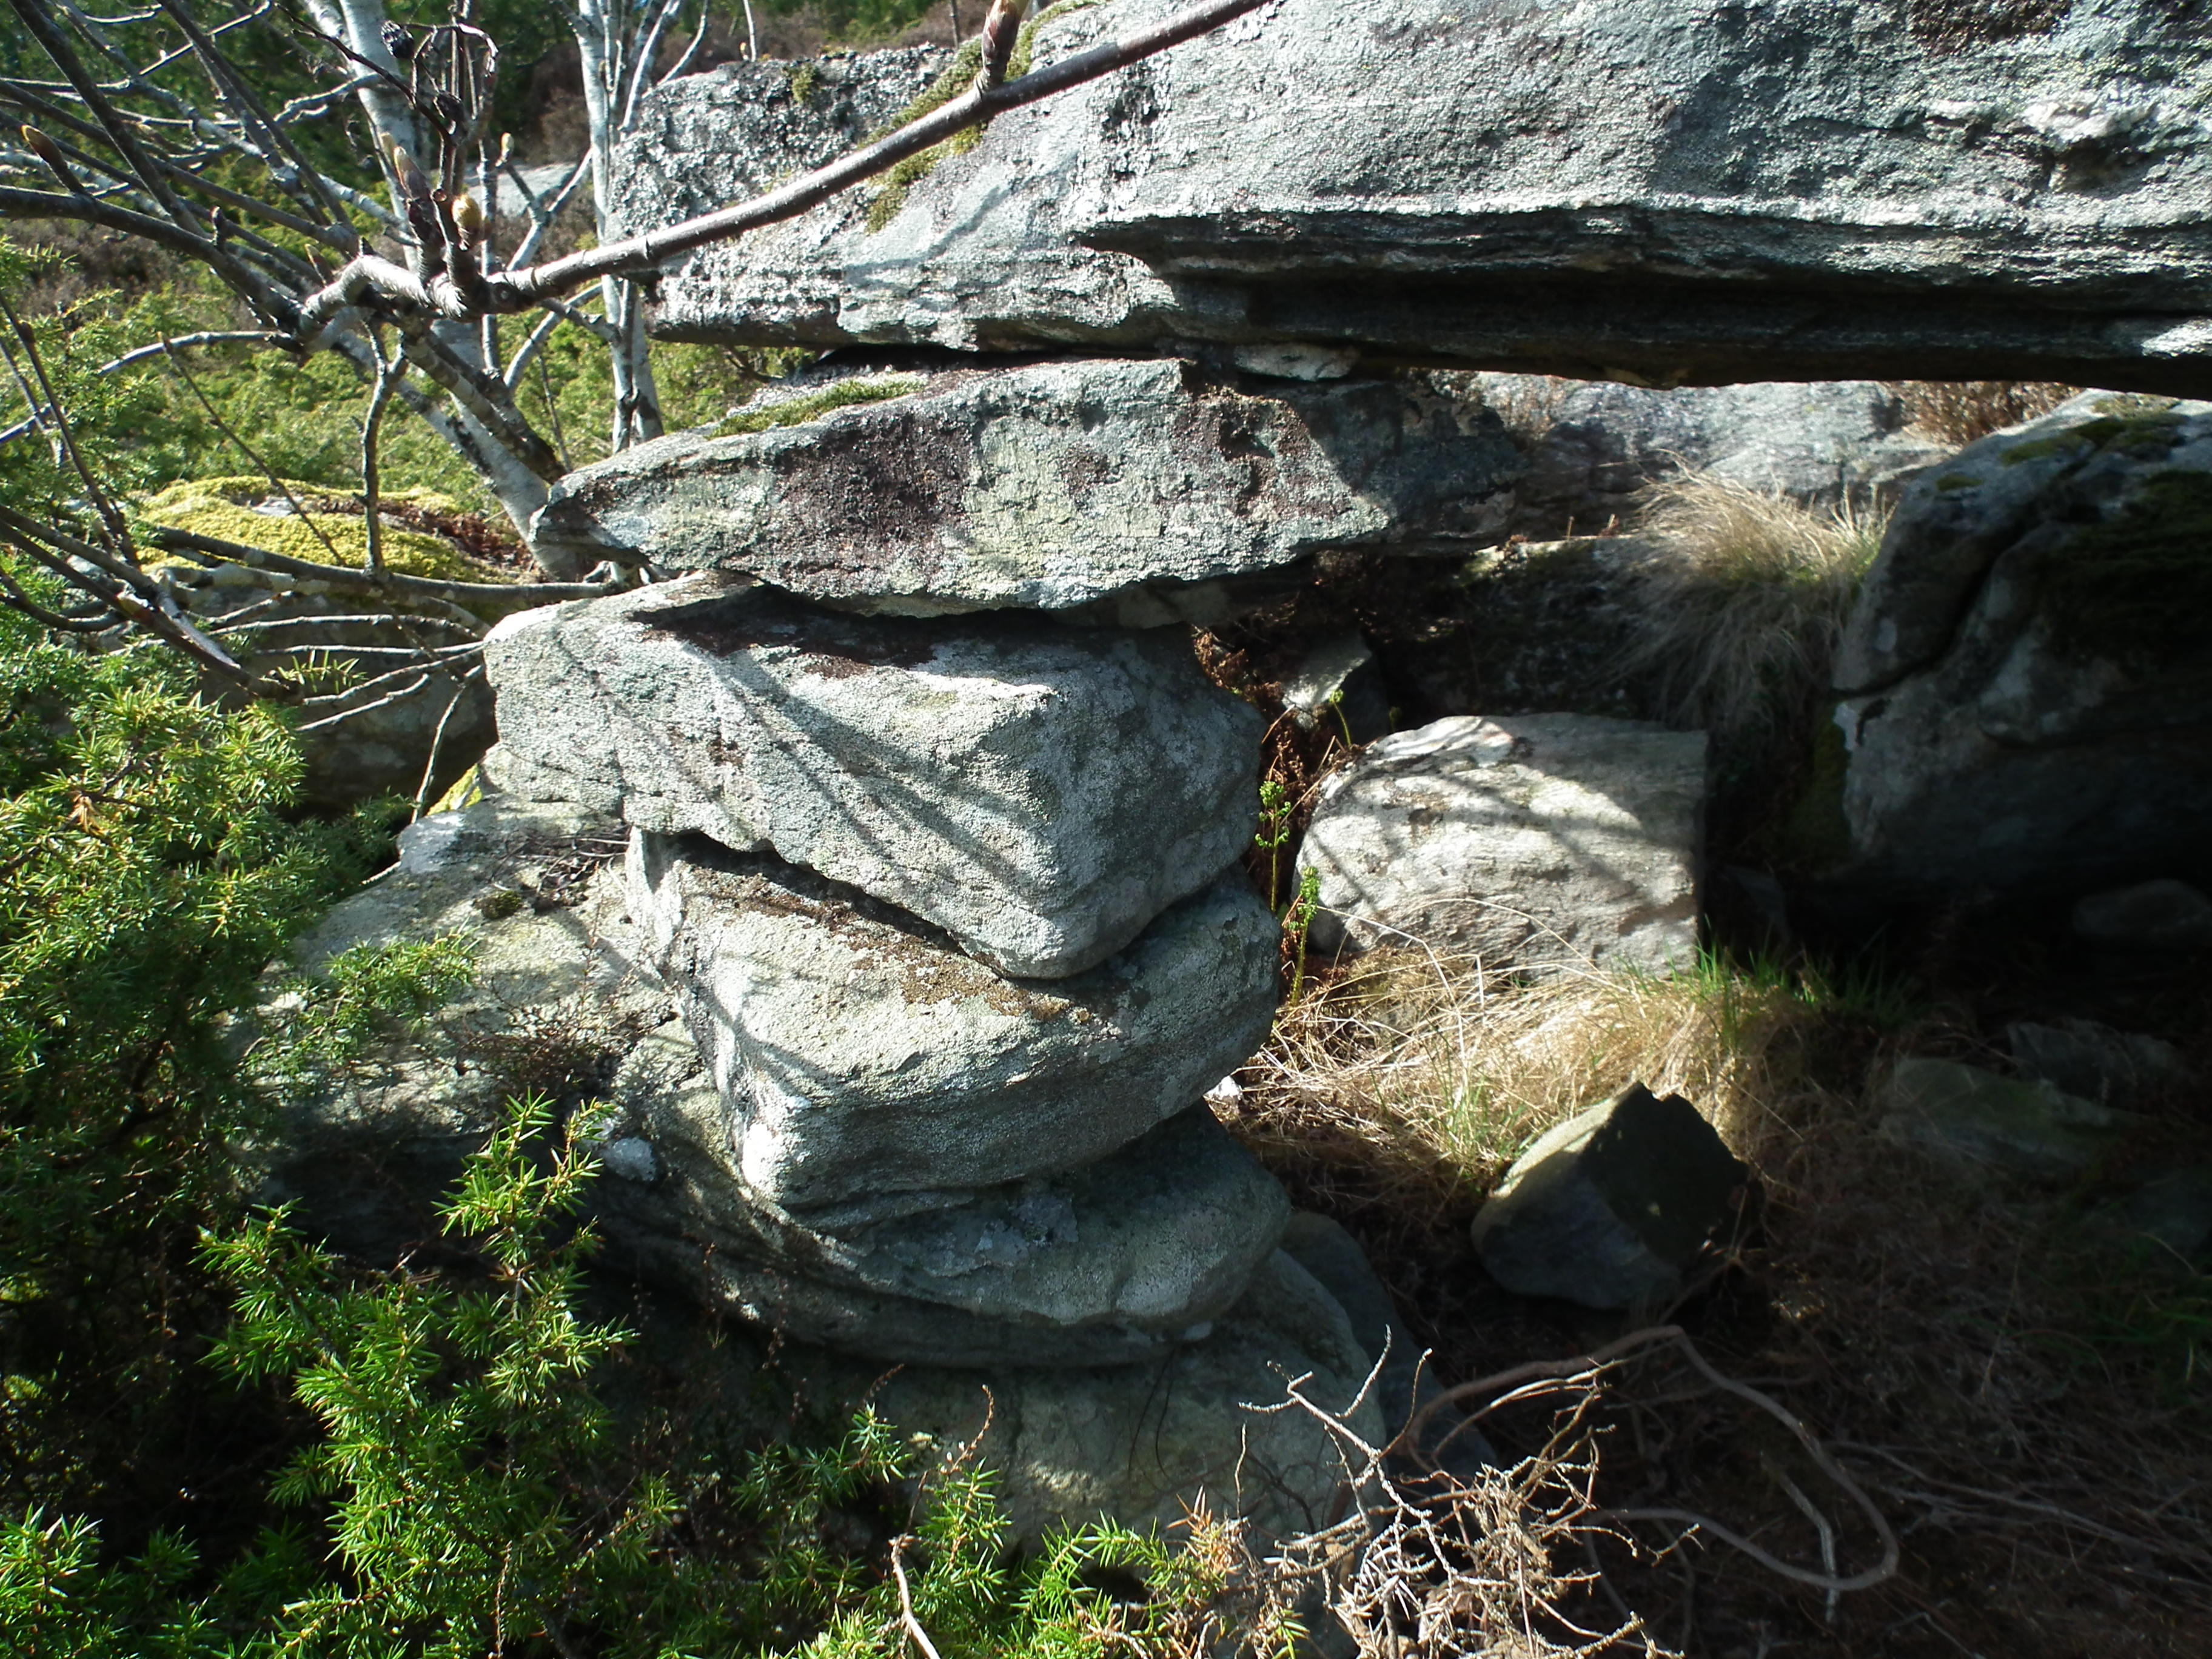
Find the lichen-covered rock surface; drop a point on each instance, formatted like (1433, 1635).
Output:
(1039, 791)
(862, 1055)
(1108, 1264)
(1529, 840)
(2027, 675)
(1049, 487)
(1644, 188)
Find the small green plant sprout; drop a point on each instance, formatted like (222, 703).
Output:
(1297, 923)
(1276, 808)
(1344, 725)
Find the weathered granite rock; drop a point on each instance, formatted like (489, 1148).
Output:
(1103, 1265)
(2028, 674)
(557, 997)
(1607, 1208)
(1531, 839)
(1040, 792)
(1974, 1117)
(862, 1055)
(1049, 487)
(1592, 445)
(2082, 1058)
(2165, 914)
(1136, 1442)
(1629, 188)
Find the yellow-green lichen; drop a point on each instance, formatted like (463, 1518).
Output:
(958, 77)
(2135, 427)
(803, 77)
(1958, 481)
(839, 394)
(224, 508)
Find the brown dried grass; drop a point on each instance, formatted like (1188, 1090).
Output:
(1740, 608)
(1961, 412)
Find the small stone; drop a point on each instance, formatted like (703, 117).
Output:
(2080, 1057)
(1975, 1116)
(630, 1158)
(1529, 841)
(1608, 1208)
(2152, 915)
(1338, 684)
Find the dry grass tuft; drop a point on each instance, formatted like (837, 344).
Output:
(1433, 1074)
(1740, 611)
(1961, 412)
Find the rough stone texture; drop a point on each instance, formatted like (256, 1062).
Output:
(1049, 487)
(559, 997)
(1975, 1116)
(1131, 1441)
(1639, 188)
(1103, 1264)
(2095, 1062)
(1607, 1208)
(862, 1056)
(2152, 915)
(1592, 447)
(2028, 678)
(1040, 792)
(1531, 839)
(2172, 1214)
(1136, 1442)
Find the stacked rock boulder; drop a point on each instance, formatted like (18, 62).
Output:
(934, 851)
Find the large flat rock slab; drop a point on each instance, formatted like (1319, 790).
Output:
(1049, 487)
(1039, 791)
(1529, 841)
(2028, 673)
(860, 1056)
(1626, 189)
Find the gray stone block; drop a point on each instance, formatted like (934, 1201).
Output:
(860, 1055)
(1119, 485)
(1039, 791)
(1607, 1208)
(1619, 189)
(1530, 841)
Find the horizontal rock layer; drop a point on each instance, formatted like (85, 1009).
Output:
(1104, 1265)
(1049, 487)
(1039, 791)
(862, 1059)
(1628, 189)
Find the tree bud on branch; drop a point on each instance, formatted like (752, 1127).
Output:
(468, 219)
(50, 153)
(1002, 27)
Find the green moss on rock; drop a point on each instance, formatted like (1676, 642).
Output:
(958, 77)
(2138, 586)
(840, 394)
(224, 508)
